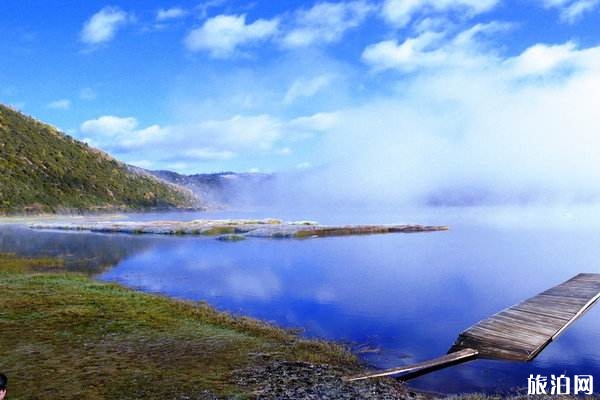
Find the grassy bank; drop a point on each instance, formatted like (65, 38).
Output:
(66, 336)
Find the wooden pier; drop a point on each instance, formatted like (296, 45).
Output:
(519, 332)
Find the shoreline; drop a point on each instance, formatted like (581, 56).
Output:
(66, 335)
(82, 334)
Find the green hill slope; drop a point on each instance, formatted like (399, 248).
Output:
(44, 170)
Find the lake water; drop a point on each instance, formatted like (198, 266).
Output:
(396, 299)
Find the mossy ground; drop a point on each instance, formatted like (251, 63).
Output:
(66, 336)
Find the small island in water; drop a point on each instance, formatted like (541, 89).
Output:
(236, 229)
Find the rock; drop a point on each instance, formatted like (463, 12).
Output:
(296, 380)
(236, 229)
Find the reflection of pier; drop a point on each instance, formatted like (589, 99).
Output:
(520, 332)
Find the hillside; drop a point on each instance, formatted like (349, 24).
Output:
(44, 170)
(224, 189)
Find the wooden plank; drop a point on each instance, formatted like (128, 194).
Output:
(445, 360)
(551, 299)
(575, 293)
(511, 324)
(523, 330)
(557, 308)
(507, 351)
(539, 313)
(491, 331)
(583, 310)
(537, 316)
(519, 332)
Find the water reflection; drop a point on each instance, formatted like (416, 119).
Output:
(407, 295)
(81, 252)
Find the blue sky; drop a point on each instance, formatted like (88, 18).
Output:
(430, 93)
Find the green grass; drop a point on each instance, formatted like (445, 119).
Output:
(65, 336)
(44, 170)
(219, 230)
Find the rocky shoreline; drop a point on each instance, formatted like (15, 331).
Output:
(299, 380)
(235, 229)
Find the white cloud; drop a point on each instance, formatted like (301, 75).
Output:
(109, 125)
(501, 129)
(432, 49)
(222, 35)
(401, 12)
(103, 25)
(165, 14)
(572, 10)
(577, 9)
(434, 24)
(541, 58)
(211, 140)
(473, 124)
(555, 63)
(409, 55)
(326, 22)
(319, 122)
(239, 133)
(62, 104)
(117, 134)
(208, 154)
(307, 87)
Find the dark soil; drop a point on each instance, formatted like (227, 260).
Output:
(296, 380)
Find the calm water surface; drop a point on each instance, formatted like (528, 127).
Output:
(396, 299)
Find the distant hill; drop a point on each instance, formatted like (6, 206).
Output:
(223, 189)
(44, 170)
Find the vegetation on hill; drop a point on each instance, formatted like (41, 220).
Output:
(44, 170)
